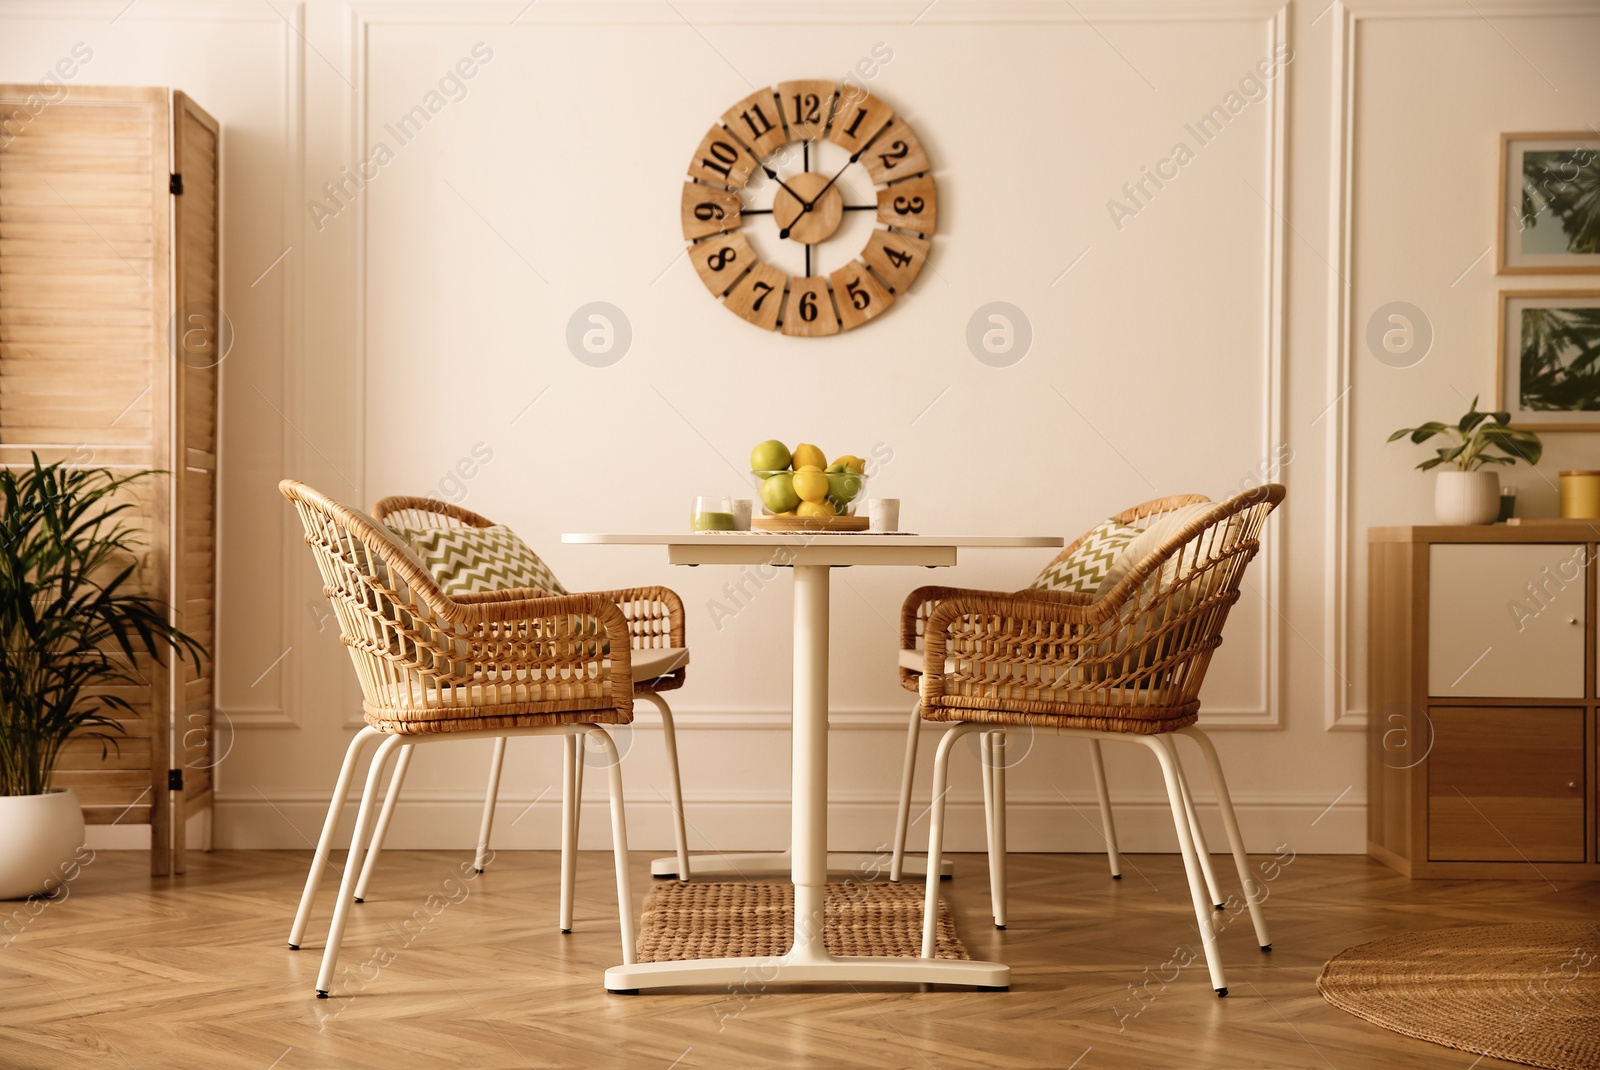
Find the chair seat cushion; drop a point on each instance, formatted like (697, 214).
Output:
(653, 661)
(471, 560)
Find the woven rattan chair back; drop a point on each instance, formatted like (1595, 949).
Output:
(429, 662)
(425, 514)
(655, 614)
(1132, 661)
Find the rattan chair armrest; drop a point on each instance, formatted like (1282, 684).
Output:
(922, 601)
(651, 605)
(1047, 617)
(485, 614)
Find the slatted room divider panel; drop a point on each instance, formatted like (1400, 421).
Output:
(109, 293)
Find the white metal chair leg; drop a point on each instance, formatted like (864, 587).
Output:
(1107, 829)
(997, 845)
(986, 768)
(619, 848)
(1202, 851)
(1180, 821)
(396, 782)
(579, 762)
(1230, 821)
(319, 858)
(571, 763)
(491, 795)
(941, 782)
(352, 866)
(669, 736)
(908, 776)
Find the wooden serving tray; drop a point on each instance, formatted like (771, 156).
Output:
(810, 523)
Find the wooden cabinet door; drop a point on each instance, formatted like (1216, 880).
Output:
(1506, 785)
(1506, 621)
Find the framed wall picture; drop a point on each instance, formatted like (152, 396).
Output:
(1549, 204)
(1549, 366)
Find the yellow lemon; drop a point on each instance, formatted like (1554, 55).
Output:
(855, 464)
(805, 454)
(811, 484)
(815, 509)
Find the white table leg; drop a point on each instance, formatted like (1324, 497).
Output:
(807, 959)
(808, 784)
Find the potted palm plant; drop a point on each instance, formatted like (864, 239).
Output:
(72, 623)
(1466, 491)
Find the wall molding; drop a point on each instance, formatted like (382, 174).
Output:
(1342, 711)
(1272, 14)
(751, 821)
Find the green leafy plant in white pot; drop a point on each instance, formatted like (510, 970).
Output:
(72, 624)
(1467, 491)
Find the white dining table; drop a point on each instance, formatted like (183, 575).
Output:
(812, 556)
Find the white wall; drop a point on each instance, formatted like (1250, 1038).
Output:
(1185, 350)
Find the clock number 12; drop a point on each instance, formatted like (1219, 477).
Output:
(807, 108)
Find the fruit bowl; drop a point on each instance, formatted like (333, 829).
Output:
(810, 493)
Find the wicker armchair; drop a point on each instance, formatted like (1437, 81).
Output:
(1126, 666)
(434, 667)
(659, 659)
(914, 614)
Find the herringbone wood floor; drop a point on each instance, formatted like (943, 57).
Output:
(130, 971)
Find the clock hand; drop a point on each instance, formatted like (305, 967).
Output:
(774, 176)
(806, 206)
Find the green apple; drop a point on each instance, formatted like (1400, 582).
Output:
(777, 492)
(843, 486)
(770, 456)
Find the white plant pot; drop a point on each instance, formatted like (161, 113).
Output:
(39, 838)
(1467, 497)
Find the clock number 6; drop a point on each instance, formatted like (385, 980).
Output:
(808, 306)
(706, 211)
(764, 289)
(902, 206)
(858, 297)
(721, 259)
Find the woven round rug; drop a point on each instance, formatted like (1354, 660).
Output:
(1524, 993)
(723, 920)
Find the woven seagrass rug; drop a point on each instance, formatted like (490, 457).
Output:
(1524, 993)
(719, 920)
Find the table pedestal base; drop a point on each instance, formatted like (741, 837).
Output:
(770, 863)
(753, 974)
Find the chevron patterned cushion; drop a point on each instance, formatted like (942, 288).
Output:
(468, 560)
(1082, 570)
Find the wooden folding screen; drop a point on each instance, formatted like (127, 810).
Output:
(109, 353)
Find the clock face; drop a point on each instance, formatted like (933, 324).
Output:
(810, 207)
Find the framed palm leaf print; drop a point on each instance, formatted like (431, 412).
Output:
(1549, 366)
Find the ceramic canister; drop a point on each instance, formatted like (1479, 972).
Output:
(1580, 495)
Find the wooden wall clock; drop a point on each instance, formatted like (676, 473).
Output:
(826, 150)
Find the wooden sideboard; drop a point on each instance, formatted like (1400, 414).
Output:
(1482, 700)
